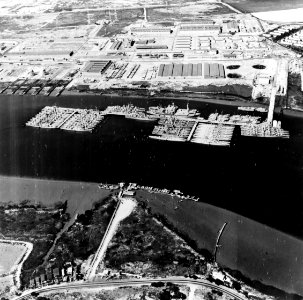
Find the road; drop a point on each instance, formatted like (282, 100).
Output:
(124, 208)
(134, 282)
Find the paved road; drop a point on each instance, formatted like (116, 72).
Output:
(132, 282)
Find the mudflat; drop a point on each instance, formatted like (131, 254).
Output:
(80, 196)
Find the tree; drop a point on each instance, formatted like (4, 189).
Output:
(236, 285)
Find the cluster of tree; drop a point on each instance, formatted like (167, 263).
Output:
(171, 291)
(83, 238)
(142, 239)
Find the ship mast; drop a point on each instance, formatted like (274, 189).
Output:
(217, 242)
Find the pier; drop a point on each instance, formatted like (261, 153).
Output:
(192, 131)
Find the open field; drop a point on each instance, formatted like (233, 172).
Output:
(13, 190)
(259, 252)
(10, 255)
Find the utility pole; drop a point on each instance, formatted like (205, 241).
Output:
(217, 242)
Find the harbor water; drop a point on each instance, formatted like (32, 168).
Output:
(255, 177)
(264, 5)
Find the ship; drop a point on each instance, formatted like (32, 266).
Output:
(212, 143)
(171, 138)
(262, 109)
(246, 108)
(252, 108)
(123, 110)
(141, 117)
(187, 112)
(265, 130)
(159, 110)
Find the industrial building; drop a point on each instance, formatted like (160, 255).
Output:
(183, 43)
(180, 70)
(213, 70)
(116, 45)
(97, 66)
(215, 29)
(151, 30)
(151, 46)
(230, 27)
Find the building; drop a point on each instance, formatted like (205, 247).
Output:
(180, 70)
(150, 30)
(150, 47)
(230, 27)
(214, 29)
(97, 66)
(213, 70)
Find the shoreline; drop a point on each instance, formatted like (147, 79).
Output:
(204, 98)
(96, 184)
(256, 261)
(47, 192)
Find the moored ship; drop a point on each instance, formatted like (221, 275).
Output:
(140, 116)
(253, 108)
(159, 110)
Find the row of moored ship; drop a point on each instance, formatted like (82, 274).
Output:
(174, 124)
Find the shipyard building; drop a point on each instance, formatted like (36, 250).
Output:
(207, 70)
(97, 66)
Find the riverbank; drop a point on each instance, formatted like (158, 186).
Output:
(229, 99)
(259, 252)
(15, 189)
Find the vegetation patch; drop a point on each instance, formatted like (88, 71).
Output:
(161, 291)
(83, 238)
(35, 224)
(143, 246)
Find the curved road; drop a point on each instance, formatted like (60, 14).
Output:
(132, 282)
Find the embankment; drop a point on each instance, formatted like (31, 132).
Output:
(257, 251)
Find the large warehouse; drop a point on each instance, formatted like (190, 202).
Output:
(97, 66)
(210, 70)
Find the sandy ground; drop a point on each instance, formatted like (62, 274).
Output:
(124, 209)
(281, 16)
(80, 195)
